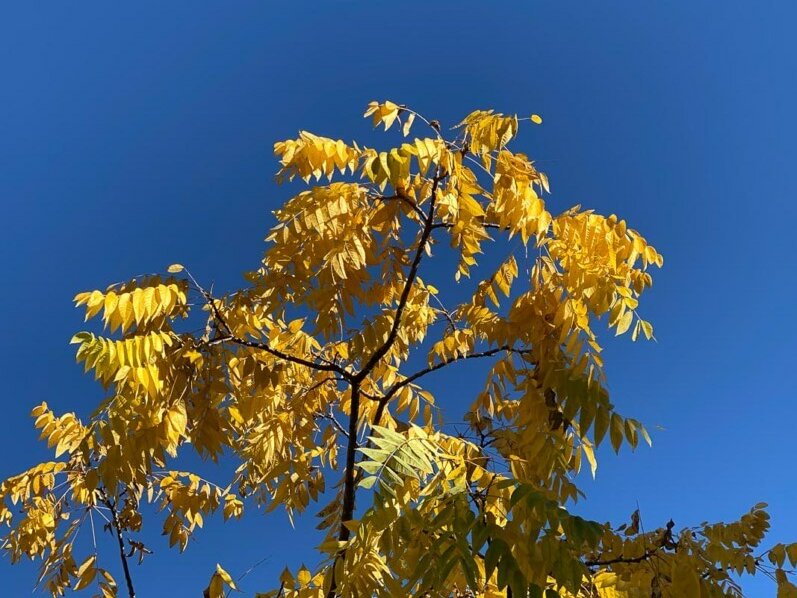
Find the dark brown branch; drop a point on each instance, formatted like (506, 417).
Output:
(230, 337)
(405, 293)
(318, 385)
(410, 379)
(117, 527)
(349, 476)
(437, 225)
(347, 508)
(369, 396)
(624, 560)
(322, 367)
(402, 197)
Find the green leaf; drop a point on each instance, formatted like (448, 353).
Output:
(494, 554)
(370, 467)
(616, 432)
(368, 482)
(601, 424)
(631, 433)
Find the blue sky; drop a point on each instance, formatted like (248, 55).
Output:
(136, 135)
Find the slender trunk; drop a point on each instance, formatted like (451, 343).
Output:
(350, 479)
(349, 488)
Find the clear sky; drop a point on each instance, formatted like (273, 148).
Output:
(134, 135)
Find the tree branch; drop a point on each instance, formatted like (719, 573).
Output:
(322, 367)
(625, 560)
(349, 477)
(402, 197)
(334, 421)
(432, 124)
(405, 293)
(120, 539)
(347, 508)
(230, 337)
(437, 225)
(408, 380)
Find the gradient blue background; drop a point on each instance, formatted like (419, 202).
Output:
(137, 134)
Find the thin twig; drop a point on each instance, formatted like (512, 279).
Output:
(120, 539)
(492, 225)
(349, 477)
(416, 262)
(331, 417)
(410, 379)
(626, 560)
(446, 313)
(93, 531)
(434, 127)
(404, 198)
(248, 571)
(229, 336)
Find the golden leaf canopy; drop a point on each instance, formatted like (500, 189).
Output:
(310, 381)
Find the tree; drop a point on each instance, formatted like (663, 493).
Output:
(319, 350)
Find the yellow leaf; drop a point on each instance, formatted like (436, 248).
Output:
(408, 124)
(616, 431)
(304, 577)
(86, 572)
(225, 576)
(536, 119)
(216, 587)
(635, 333)
(176, 421)
(589, 453)
(786, 589)
(625, 323)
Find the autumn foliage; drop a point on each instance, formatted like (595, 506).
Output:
(308, 379)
